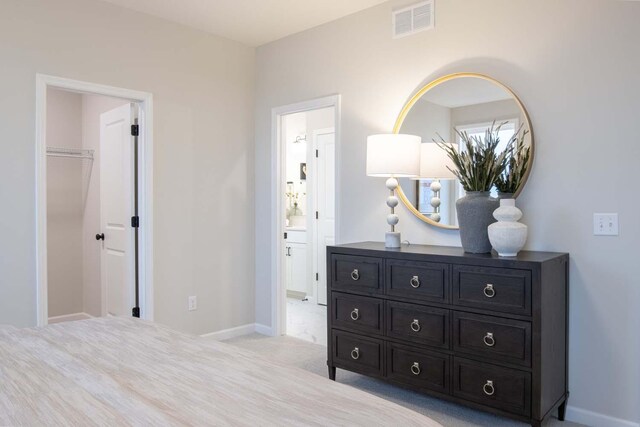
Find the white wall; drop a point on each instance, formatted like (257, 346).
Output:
(92, 107)
(64, 205)
(203, 89)
(574, 64)
(322, 118)
(428, 120)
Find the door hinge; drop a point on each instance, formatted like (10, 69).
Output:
(316, 153)
(285, 236)
(316, 214)
(135, 130)
(135, 221)
(317, 278)
(135, 312)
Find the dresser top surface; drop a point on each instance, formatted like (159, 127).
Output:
(450, 251)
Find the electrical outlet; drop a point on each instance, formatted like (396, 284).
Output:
(605, 224)
(193, 303)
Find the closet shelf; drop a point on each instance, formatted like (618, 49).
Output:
(70, 152)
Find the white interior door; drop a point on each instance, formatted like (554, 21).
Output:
(325, 143)
(116, 210)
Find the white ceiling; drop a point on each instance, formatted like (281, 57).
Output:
(252, 22)
(462, 92)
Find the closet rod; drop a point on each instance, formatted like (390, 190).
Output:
(70, 152)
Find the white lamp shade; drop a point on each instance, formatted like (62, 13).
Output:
(395, 155)
(434, 162)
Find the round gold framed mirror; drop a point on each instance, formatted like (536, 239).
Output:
(441, 110)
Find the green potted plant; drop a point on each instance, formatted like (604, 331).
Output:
(478, 167)
(515, 172)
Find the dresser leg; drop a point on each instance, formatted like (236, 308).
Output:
(562, 409)
(535, 423)
(332, 373)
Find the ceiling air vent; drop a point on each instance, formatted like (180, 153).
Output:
(413, 19)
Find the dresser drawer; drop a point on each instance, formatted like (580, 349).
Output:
(423, 325)
(356, 312)
(498, 289)
(418, 280)
(358, 353)
(494, 338)
(356, 273)
(423, 369)
(501, 388)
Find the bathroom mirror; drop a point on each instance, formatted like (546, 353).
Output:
(464, 102)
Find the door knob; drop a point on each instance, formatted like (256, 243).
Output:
(100, 236)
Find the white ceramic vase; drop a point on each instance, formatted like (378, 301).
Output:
(507, 236)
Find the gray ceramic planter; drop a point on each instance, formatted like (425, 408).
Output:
(475, 214)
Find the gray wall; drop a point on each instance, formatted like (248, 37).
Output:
(203, 89)
(575, 65)
(64, 205)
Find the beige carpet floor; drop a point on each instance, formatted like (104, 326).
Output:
(313, 357)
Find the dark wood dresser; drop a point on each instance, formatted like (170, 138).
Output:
(483, 331)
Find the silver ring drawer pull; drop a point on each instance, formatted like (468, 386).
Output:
(415, 368)
(489, 292)
(355, 274)
(489, 340)
(355, 353)
(415, 325)
(488, 388)
(415, 282)
(355, 314)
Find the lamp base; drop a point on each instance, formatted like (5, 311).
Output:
(392, 239)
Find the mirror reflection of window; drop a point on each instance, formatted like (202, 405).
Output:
(425, 194)
(478, 130)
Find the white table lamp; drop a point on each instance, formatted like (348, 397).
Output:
(393, 156)
(435, 164)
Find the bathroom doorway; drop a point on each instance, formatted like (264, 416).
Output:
(92, 202)
(308, 141)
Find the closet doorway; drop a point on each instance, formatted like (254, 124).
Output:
(93, 205)
(308, 219)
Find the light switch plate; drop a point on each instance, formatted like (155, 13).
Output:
(605, 224)
(193, 303)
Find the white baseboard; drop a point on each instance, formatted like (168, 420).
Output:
(226, 334)
(595, 419)
(238, 331)
(69, 317)
(264, 329)
(296, 294)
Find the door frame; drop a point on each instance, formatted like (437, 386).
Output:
(145, 185)
(278, 189)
